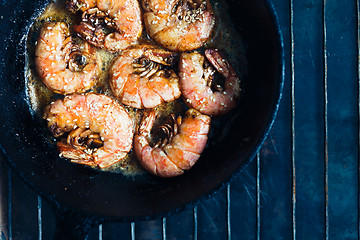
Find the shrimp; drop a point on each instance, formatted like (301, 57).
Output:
(113, 25)
(64, 66)
(141, 78)
(101, 131)
(179, 25)
(197, 82)
(178, 152)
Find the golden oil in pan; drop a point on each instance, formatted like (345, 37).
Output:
(228, 40)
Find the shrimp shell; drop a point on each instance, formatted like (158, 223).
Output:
(101, 115)
(123, 16)
(179, 25)
(195, 89)
(53, 56)
(183, 150)
(149, 89)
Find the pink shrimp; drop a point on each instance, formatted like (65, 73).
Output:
(196, 83)
(114, 25)
(179, 25)
(65, 67)
(179, 151)
(141, 78)
(101, 131)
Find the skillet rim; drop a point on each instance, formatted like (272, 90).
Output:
(235, 173)
(270, 6)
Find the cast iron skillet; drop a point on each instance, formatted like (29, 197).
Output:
(88, 197)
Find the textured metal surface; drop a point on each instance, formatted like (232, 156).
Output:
(303, 184)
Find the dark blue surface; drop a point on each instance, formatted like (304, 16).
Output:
(309, 119)
(296, 146)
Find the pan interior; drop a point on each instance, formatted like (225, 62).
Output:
(225, 37)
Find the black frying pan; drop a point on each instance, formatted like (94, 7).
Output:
(92, 196)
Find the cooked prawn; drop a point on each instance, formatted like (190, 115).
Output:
(63, 65)
(179, 25)
(101, 131)
(197, 82)
(114, 25)
(178, 152)
(141, 78)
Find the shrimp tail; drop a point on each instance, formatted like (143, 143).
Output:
(72, 5)
(147, 123)
(161, 56)
(75, 155)
(93, 35)
(220, 63)
(56, 130)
